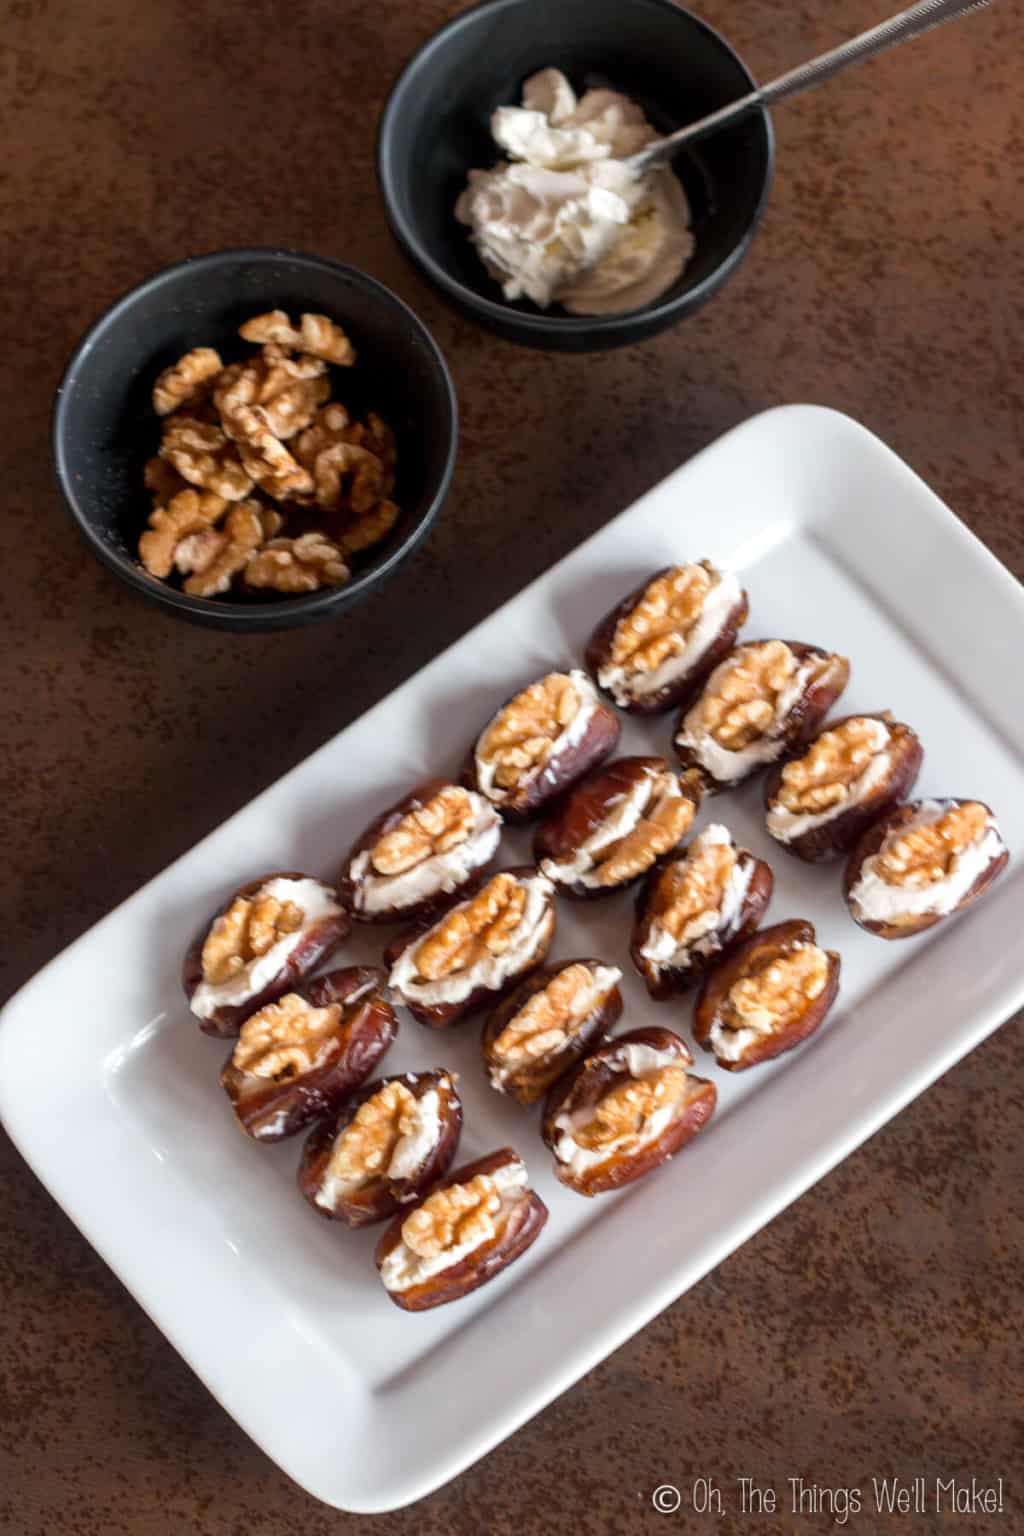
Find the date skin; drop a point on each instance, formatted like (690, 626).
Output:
(530, 1082)
(518, 1232)
(687, 685)
(667, 981)
(444, 1015)
(870, 843)
(539, 789)
(268, 1110)
(802, 722)
(588, 1082)
(380, 1197)
(837, 836)
(584, 809)
(762, 947)
(320, 941)
(385, 823)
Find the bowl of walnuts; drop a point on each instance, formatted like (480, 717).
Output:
(255, 439)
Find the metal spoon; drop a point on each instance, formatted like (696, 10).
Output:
(899, 28)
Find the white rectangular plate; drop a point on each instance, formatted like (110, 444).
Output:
(111, 1093)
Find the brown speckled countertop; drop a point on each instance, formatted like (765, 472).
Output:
(875, 1327)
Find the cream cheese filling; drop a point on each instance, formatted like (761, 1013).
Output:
(563, 219)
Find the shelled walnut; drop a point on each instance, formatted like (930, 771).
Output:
(264, 432)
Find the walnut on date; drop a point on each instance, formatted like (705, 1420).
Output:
(467, 1230)
(764, 700)
(301, 1056)
(387, 1146)
(624, 1110)
(770, 993)
(853, 772)
(615, 825)
(922, 863)
(443, 970)
(694, 908)
(657, 645)
(420, 854)
(268, 936)
(547, 1023)
(540, 742)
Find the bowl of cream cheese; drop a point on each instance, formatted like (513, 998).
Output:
(502, 155)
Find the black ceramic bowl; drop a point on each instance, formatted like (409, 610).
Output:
(104, 426)
(434, 129)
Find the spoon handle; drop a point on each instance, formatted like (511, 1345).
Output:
(900, 28)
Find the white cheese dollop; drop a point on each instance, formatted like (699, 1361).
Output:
(563, 219)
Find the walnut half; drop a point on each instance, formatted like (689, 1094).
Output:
(305, 564)
(443, 823)
(769, 993)
(285, 1038)
(477, 929)
(249, 927)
